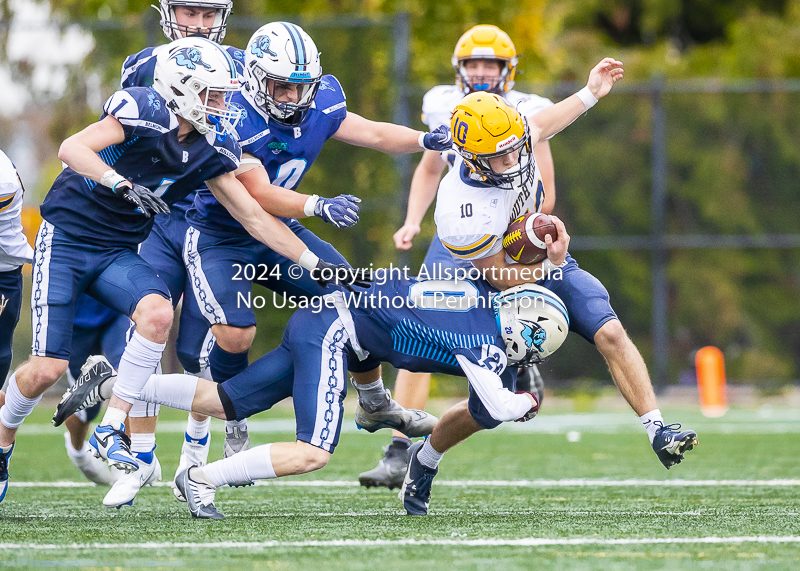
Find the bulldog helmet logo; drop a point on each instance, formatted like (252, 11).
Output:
(534, 335)
(189, 58)
(260, 47)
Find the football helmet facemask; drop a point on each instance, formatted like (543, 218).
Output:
(175, 31)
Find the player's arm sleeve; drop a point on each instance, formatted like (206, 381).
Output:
(472, 247)
(483, 366)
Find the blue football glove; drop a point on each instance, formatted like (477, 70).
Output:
(440, 139)
(341, 211)
(147, 202)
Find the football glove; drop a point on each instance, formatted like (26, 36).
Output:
(147, 202)
(342, 275)
(341, 211)
(440, 139)
(531, 414)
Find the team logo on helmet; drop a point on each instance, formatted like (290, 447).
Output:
(153, 101)
(534, 335)
(190, 58)
(260, 47)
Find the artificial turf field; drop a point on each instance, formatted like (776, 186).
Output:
(519, 497)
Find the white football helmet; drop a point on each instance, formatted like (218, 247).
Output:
(282, 53)
(190, 69)
(175, 32)
(533, 322)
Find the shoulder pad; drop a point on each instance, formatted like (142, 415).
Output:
(331, 99)
(141, 111)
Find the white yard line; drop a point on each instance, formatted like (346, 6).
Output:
(523, 542)
(565, 483)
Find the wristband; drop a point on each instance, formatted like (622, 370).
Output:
(548, 266)
(308, 260)
(311, 203)
(421, 140)
(587, 97)
(111, 179)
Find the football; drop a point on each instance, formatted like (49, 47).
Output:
(524, 238)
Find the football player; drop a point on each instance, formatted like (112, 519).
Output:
(169, 138)
(163, 250)
(484, 59)
(289, 109)
(493, 181)
(437, 326)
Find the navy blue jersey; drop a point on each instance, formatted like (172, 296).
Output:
(286, 152)
(138, 71)
(151, 156)
(421, 326)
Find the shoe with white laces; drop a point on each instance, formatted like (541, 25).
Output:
(114, 446)
(96, 371)
(5, 458)
(671, 442)
(390, 414)
(124, 490)
(90, 466)
(193, 453)
(199, 496)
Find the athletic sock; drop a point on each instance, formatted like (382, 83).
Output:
(142, 446)
(139, 361)
(652, 421)
(175, 390)
(17, 406)
(196, 430)
(242, 468)
(428, 456)
(371, 396)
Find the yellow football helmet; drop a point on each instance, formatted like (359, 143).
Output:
(485, 127)
(485, 42)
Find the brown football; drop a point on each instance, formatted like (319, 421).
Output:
(524, 238)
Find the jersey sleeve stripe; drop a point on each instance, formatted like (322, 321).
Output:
(471, 250)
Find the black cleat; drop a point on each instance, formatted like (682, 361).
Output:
(670, 443)
(416, 491)
(86, 390)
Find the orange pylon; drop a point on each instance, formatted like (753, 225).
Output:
(710, 365)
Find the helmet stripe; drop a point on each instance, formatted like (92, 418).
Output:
(299, 47)
(229, 59)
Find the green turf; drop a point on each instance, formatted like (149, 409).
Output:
(63, 516)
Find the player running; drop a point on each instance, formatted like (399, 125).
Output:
(170, 138)
(484, 59)
(496, 176)
(434, 326)
(289, 109)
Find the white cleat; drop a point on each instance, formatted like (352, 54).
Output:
(193, 453)
(90, 466)
(124, 490)
(391, 414)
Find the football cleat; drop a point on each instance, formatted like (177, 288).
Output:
(199, 496)
(5, 458)
(530, 379)
(236, 440)
(123, 492)
(416, 490)
(114, 446)
(409, 421)
(670, 443)
(390, 470)
(90, 466)
(86, 390)
(193, 453)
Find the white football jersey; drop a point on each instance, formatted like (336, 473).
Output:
(439, 102)
(472, 217)
(14, 248)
